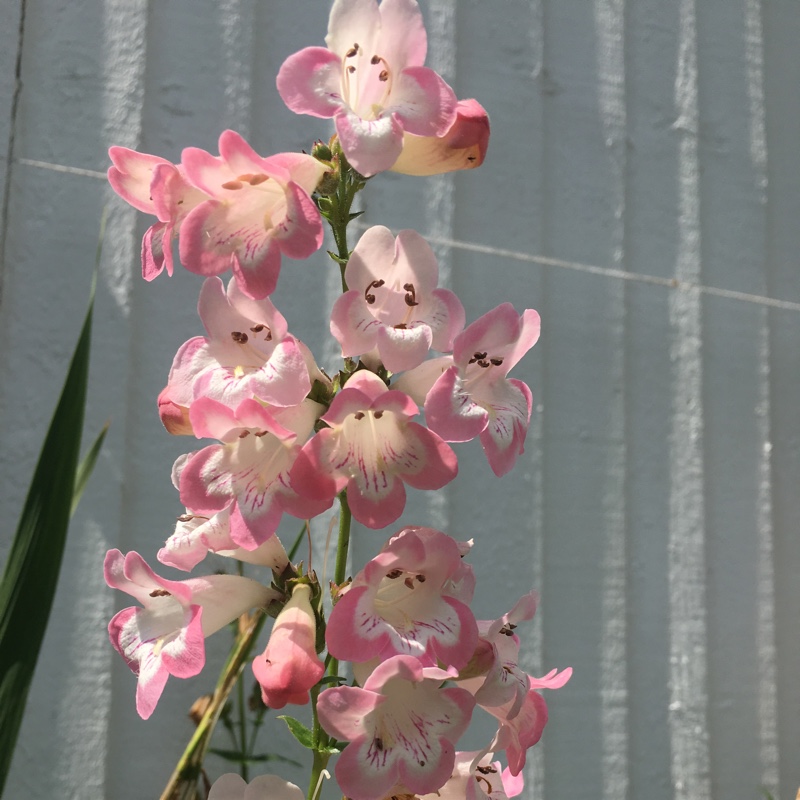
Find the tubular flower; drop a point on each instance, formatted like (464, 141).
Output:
(290, 666)
(370, 79)
(166, 636)
(400, 604)
(155, 186)
(477, 777)
(258, 209)
(474, 398)
(197, 535)
(402, 727)
(371, 447)
(250, 467)
(464, 145)
(248, 352)
(393, 305)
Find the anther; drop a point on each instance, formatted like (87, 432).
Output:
(232, 185)
(384, 75)
(160, 593)
(246, 178)
(359, 415)
(375, 60)
(411, 294)
(378, 414)
(487, 770)
(257, 179)
(421, 578)
(477, 357)
(395, 573)
(239, 337)
(259, 328)
(353, 51)
(368, 296)
(261, 433)
(244, 434)
(351, 69)
(185, 517)
(401, 326)
(496, 362)
(409, 582)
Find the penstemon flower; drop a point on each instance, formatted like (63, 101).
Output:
(289, 439)
(165, 637)
(370, 79)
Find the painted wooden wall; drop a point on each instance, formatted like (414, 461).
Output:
(642, 191)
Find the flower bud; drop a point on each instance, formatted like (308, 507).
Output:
(462, 147)
(174, 418)
(290, 666)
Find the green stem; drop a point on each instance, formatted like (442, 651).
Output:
(243, 767)
(182, 784)
(320, 738)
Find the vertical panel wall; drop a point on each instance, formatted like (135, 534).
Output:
(641, 192)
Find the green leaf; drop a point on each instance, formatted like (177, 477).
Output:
(31, 572)
(86, 467)
(299, 731)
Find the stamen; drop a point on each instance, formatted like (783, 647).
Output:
(401, 326)
(421, 578)
(351, 69)
(244, 434)
(477, 357)
(496, 361)
(395, 573)
(259, 328)
(160, 593)
(259, 434)
(246, 178)
(368, 296)
(375, 60)
(232, 185)
(378, 414)
(480, 778)
(359, 415)
(411, 294)
(409, 582)
(353, 51)
(384, 75)
(239, 337)
(255, 180)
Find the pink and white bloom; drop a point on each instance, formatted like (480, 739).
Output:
(265, 787)
(393, 305)
(258, 209)
(166, 636)
(402, 727)
(464, 145)
(155, 186)
(371, 80)
(197, 535)
(372, 448)
(250, 467)
(473, 397)
(248, 353)
(399, 604)
(290, 666)
(476, 777)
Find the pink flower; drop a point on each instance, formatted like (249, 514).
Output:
(196, 535)
(155, 186)
(393, 304)
(402, 727)
(259, 209)
(166, 636)
(477, 777)
(265, 787)
(248, 352)
(399, 604)
(371, 80)
(462, 147)
(174, 416)
(371, 448)
(473, 397)
(250, 467)
(290, 666)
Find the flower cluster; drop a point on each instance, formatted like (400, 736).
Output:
(289, 439)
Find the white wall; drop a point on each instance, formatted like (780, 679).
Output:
(642, 151)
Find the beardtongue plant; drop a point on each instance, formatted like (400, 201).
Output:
(291, 440)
